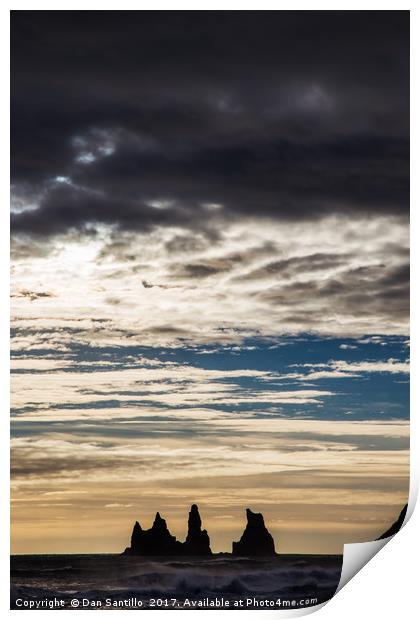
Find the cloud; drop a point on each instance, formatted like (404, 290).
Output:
(343, 284)
(138, 389)
(246, 447)
(33, 295)
(364, 290)
(289, 139)
(202, 270)
(271, 200)
(295, 265)
(392, 366)
(341, 369)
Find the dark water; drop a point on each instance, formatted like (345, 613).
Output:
(220, 582)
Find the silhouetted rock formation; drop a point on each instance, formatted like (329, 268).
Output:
(197, 541)
(256, 539)
(158, 541)
(136, 536)
(395, 527)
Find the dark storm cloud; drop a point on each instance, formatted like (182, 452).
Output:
(295, 265)
(204, 269)
(366, 291)
(216, 266)
(159, 118)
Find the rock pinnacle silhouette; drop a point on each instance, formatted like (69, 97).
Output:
(197, 541)
(256, 539)
(158, 541)
(395, 527)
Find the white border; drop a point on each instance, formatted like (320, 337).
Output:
(399, 559)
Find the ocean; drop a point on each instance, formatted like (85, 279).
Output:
(125, 582)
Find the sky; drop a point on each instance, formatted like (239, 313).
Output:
(210, 275)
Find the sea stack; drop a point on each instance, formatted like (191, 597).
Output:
(158, 541)
(395, 527)
(197, 541)
(136, 537)
(256, 539)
